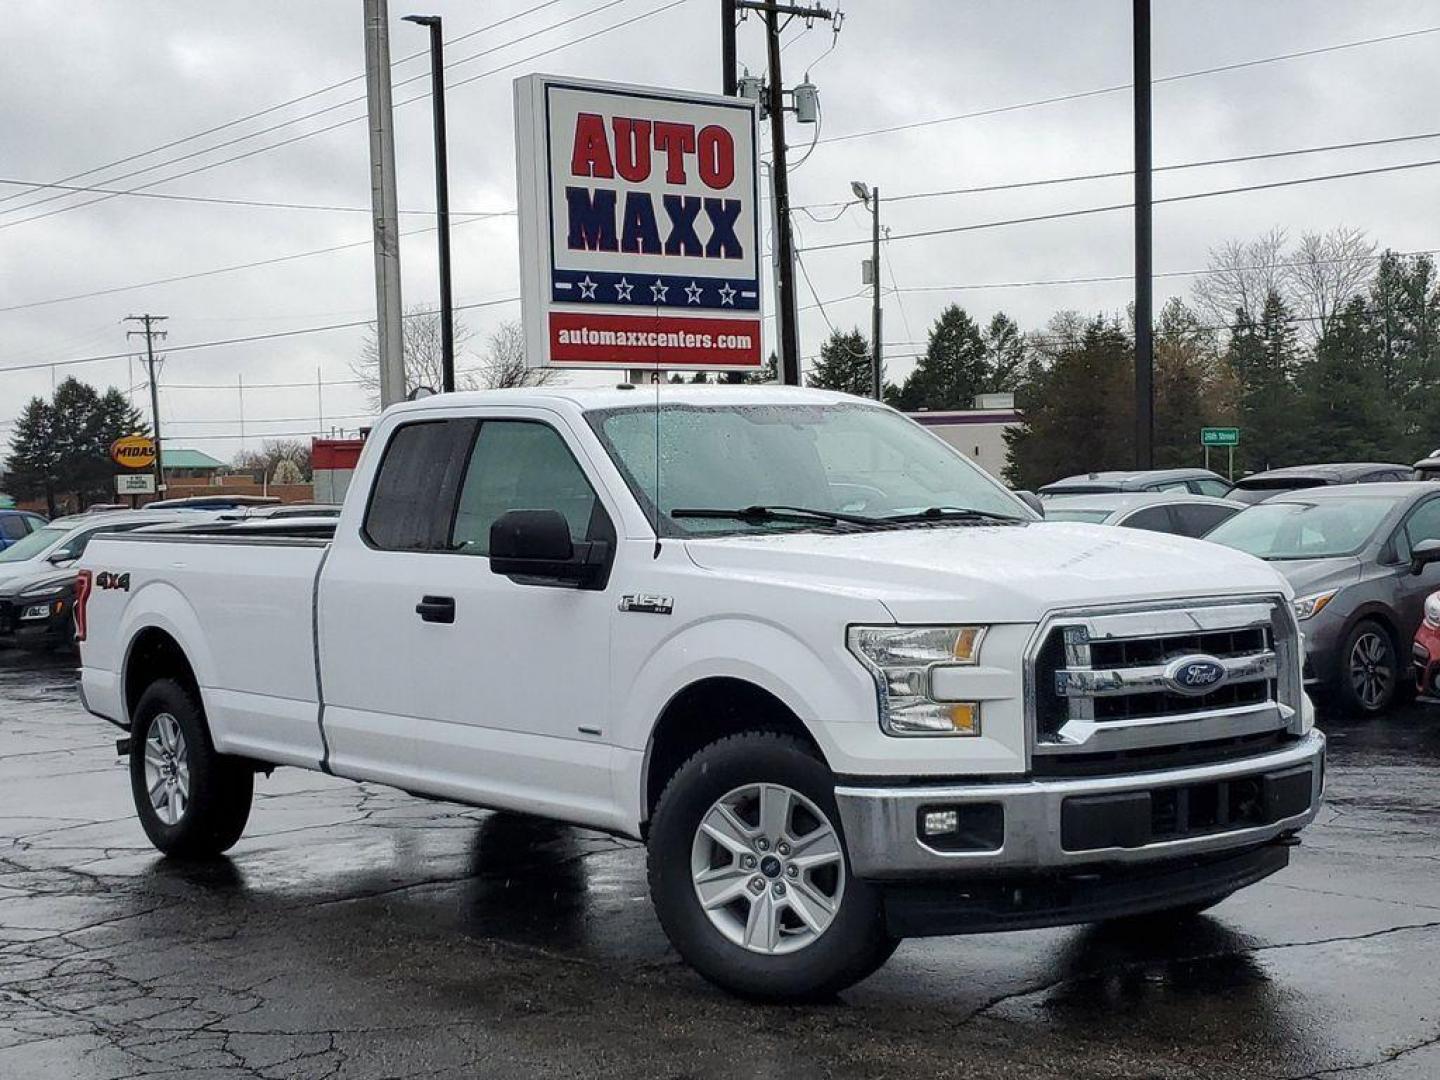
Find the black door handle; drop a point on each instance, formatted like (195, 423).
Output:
(439, 609)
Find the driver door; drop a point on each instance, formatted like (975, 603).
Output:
(1412, 589)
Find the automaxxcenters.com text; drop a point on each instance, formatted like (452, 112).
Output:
(641, 339)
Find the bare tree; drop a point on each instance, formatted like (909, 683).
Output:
(1242, 274)
(272, 452)
(503, 365)
(424, 355)
(1326, 271)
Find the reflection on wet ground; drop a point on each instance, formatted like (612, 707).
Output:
(356, 931)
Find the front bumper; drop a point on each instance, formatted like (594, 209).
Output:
(1025, 826)
(1427, 661)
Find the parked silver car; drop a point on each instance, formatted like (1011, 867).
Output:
(1362, 559)
(1157, 511)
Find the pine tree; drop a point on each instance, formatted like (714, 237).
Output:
(769, 373)
(64, 446)
(1008, 355)
(1343, 400)
(1189, 394)
(1265, 360)
(1405, 313)
(844, 365)
(955, 368)
(1079, 412)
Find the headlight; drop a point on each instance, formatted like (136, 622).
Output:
(1307, 607)
(1432, 611)
(901, 658)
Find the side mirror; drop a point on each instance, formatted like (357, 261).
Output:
(1033, 501)
(59, 558)
(534, 547)
(1423, 554)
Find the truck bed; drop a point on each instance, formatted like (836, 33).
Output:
(212, 585)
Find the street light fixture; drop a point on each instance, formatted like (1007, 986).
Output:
(861, 190)
(442, 197)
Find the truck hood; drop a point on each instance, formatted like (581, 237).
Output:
(1006, 573)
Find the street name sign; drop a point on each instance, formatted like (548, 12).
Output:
(1219, 436)
(639, 226)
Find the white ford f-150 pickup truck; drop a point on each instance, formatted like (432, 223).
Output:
(844, 685)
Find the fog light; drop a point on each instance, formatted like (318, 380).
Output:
(940, 822)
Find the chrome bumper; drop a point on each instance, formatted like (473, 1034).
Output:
(882, 823)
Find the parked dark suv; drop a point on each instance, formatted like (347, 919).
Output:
(1260, 486)
(1195, 481)
(1362, 559)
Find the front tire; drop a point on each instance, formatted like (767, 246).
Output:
(749, 875)
(192, 801)
(1369, 675)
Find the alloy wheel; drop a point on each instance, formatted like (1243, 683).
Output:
(1372, 671)
(167, 769)
(768, 868)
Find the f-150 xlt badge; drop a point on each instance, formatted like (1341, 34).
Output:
(647, 604)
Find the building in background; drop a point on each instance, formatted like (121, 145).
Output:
(333, 463)
(190, 465)
(978, 433)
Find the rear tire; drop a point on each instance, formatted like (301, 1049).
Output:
(1369, 674)
(192, 801)
(751, 822)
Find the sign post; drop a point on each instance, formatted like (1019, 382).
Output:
(1227, 437)
(639, 227)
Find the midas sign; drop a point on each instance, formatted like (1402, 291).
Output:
(639, 231)
(133, 451)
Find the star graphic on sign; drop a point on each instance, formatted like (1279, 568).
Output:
(727, 294)
(658, 291)
(622, 289)
(692, 293)
(587, 289)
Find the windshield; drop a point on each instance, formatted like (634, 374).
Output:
(1322, 529)
(851, 459)
(33, 544)
(1054, 513)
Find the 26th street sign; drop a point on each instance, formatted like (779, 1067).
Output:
(1219, 436)
(639, 226)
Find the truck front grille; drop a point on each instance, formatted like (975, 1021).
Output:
(1119, 683)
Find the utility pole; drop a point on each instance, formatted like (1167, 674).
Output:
(728, 81)
(875, 313)
(150, 334)
(240, 388)
(442, 197)
(1144, 280)
(389, 312)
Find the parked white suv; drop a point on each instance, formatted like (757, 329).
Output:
(845, 686)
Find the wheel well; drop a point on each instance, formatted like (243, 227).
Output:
(704, 712)
(1387, 623)
(154, 654)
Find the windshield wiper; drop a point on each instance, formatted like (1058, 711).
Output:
(779, 513)
(952, 513)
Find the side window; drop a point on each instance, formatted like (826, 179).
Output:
(520, 465)
(1218, 488)
(414, 492)
(1173, 485)
(1151, 519)
(12, 527)
(1424, 523)
(1198, 520)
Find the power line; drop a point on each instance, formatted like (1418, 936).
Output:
(329, 127)
(1117, 173)
(240, 202)
(997, 110)
(276, 108)
(250, 338)
(1058, 215)
(274, 260)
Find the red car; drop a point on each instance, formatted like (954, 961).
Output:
(1427, 649)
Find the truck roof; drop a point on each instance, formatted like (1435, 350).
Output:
(620, 395)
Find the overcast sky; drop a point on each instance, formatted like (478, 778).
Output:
(87, 83)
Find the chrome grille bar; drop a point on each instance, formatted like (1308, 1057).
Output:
(1116, 682)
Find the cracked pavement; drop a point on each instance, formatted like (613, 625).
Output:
(358, 932)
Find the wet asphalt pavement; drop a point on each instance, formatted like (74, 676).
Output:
(358, 932)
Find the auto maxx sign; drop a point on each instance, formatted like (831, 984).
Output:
(639, 226)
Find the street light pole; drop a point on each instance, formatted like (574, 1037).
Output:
(442, 197)
(876, 314)
(1144, 280)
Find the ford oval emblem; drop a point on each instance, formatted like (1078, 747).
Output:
(1194, 675)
